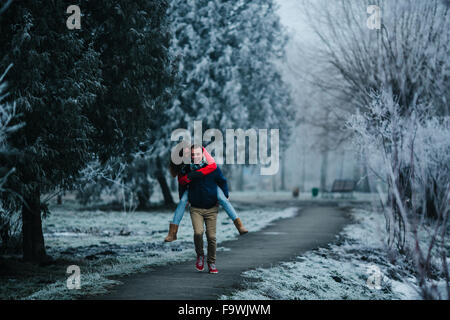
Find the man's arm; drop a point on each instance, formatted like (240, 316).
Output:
(221, 182)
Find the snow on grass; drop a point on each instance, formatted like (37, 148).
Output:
(257, 195)
(347, 269)
(92, 284)
(112, 244)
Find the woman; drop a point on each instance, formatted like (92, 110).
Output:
(187, 172)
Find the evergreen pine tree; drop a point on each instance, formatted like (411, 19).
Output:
(83, 94)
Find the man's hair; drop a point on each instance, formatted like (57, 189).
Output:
(195, 146)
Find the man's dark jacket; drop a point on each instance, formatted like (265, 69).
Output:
(203, 190)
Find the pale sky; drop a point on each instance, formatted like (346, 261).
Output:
(293, 17)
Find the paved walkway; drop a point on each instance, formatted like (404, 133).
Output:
(283, 240)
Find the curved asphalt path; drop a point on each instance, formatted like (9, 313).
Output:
(283, 240)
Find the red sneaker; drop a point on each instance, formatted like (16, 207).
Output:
(212, 268)
(200, 264)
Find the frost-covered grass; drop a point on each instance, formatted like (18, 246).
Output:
(256, 195)
(107, 245)
(339, 271)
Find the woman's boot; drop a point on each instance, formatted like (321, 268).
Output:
(240, 226)
(172, 236)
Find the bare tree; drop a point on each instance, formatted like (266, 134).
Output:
(397, 77)
(420, 143)
(408, 55)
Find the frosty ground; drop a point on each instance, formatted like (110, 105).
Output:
(340, 271)
(108, 245)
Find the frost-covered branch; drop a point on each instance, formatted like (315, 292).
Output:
(413, 152)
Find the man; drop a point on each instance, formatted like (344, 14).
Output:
(204, 210)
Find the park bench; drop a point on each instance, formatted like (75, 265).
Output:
(343, 186)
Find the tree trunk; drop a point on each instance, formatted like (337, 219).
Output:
(405, 187)
(430, 193)
(365, 182)
(283, 173)
(33, 238)
(4, 235)
(143, 195)
(356, 173)
(227, 171)
(168, 200)
(173, 184)
(240, 180)
(303, 187)
(341, 169)
(323, 171)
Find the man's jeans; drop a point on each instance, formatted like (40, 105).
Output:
(208, 217)
(223, 201)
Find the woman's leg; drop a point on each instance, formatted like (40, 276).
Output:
(179, 211)
(178, 215)
(226, 205)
